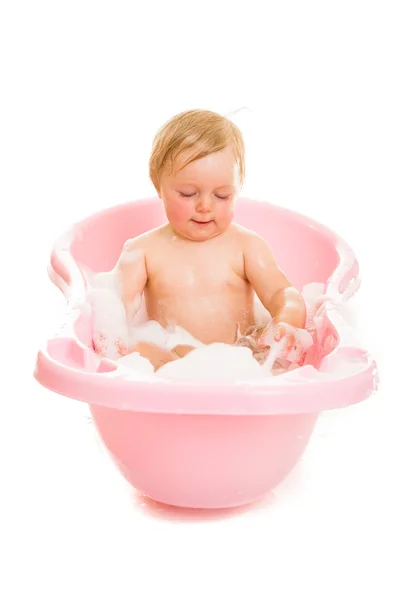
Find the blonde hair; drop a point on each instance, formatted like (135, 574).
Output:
(201, 131)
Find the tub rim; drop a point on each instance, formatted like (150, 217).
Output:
(118, 387)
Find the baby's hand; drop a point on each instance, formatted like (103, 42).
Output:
(275, 333)
(109, 349)
(296, 341)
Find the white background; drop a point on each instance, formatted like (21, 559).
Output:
(85, 86)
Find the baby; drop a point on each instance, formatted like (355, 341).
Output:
(201, 271)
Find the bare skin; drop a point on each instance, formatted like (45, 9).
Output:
(201, 270)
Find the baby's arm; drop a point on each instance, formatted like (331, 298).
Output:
(115, 298)
(131, 275)
(283, 301)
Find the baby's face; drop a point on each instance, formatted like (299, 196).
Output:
(199, 198)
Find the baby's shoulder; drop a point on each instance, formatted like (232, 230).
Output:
(246, 237)
(144, 242)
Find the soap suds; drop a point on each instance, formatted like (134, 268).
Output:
(213, 362)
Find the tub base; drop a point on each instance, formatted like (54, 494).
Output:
(203, 461)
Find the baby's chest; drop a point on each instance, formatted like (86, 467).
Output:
(194, 277)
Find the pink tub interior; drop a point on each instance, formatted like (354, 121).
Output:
(199, 444)
(314, 259)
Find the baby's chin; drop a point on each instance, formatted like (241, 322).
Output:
(201, 231)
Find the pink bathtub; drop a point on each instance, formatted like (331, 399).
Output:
(196, 444)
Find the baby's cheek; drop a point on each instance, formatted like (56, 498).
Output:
(178, 213)
(225, 213)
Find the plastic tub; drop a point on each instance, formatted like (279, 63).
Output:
(196, 444)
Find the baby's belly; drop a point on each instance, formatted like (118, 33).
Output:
(213, 317)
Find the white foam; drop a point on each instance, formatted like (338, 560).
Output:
(153, 332)
(214, 362)
(274, 353)
(137, 363)
(109, 321)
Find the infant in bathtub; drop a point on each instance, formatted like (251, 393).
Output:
(202, 272)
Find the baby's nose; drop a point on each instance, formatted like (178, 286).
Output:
(204, 204)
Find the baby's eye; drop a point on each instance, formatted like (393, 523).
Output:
(187, 195)
(222, 197)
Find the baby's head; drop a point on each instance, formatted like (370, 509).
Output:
(197, 168)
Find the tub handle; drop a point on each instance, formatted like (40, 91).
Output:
(67, 367)
(345, 282)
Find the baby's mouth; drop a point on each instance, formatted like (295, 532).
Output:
(201, 222)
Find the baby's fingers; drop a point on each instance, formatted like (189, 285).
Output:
(280, 333)
(265, 338)
(290, 342)
(121, 348)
